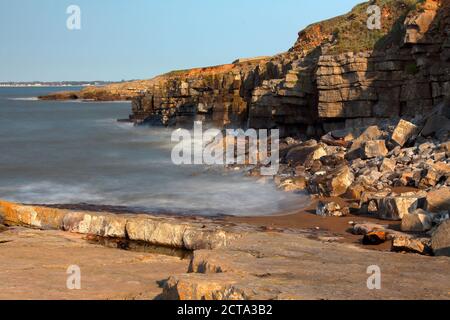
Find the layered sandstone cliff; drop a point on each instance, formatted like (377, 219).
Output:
(338, 74)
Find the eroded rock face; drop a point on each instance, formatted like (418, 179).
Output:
(167, 231)
(438, 200)
(328, 80)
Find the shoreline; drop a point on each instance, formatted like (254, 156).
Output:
(228, 260)
(302, 219)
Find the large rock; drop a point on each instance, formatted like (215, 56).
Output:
(340, 180)
(419, 221)
(404, 132)
(441, 240)
(331, 209)
(438, 200)
(370, 134)
(304, 155)
(396, 207)
(436, 123)
(388, 165)
(103, 225)
(373, 149)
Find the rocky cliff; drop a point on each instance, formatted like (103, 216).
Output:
(339, 73)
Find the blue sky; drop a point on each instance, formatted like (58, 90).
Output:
(137, 39)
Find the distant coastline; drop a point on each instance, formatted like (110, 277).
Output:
(32, 84)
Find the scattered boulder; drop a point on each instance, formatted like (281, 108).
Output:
(404, 132)
(333, 183)
(366, 228)
(438, 200)
(429, 179)
(388, 165)
(331, 209)
(403, 243)
(419, 221)
(373, 149)
(374, 238)
(305, 154)
(441, 240)
(331, 140)
(341, 179)
(396, 207)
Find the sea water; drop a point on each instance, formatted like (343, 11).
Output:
(71, 152)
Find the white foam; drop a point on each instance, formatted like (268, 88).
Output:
(25, 99)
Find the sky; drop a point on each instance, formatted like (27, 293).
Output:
(138, 39)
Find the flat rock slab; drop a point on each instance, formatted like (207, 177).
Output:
(286, 266)
(34, 263)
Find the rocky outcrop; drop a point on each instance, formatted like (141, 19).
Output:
(275, 266)
(162, 231)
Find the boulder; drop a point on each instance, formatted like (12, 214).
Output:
(388, 165)
(430, 179)
(419, 221)
(404, 132)
(332, 183)
(341, 179)
(367, 227)
(355, 191)
(98, 224)
(435, 124)
(396, 207)
(441, 240)
(403, 243)
(438, 200)
(373, 149)
(370, 134)
(305, 155)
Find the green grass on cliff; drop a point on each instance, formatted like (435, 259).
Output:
(351, 31)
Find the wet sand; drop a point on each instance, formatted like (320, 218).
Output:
(306, 219)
